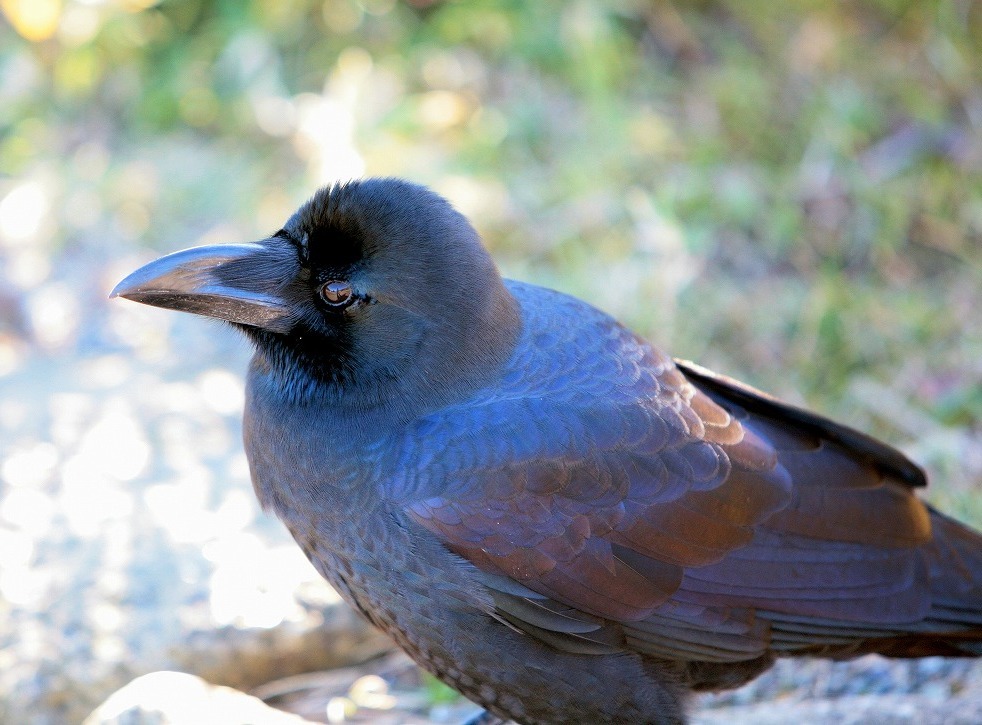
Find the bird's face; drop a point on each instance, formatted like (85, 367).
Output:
(375, 287)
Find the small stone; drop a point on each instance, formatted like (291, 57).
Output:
(176, 697)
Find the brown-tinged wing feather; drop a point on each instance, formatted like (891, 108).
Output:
(861, 446)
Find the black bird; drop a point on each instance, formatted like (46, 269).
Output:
(545, 511)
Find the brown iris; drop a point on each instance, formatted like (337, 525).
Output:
(337, 293)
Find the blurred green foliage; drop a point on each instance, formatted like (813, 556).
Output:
(436, 692)
(790, 192)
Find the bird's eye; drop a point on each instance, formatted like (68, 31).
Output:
(337, 294)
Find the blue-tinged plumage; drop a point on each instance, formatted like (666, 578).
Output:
(542, 508)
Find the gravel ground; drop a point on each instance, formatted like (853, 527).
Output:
(933, 691)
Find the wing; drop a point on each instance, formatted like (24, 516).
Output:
(611, 503)
(606, 516)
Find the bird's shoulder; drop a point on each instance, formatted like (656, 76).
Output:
(578, 387)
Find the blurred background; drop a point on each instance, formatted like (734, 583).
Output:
(788, 193)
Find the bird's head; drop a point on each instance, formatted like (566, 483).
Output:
(375, 291)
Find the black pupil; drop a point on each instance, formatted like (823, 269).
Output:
(336, 293)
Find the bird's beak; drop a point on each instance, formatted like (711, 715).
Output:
(240, 283)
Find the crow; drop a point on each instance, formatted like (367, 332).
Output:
(544, 510)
